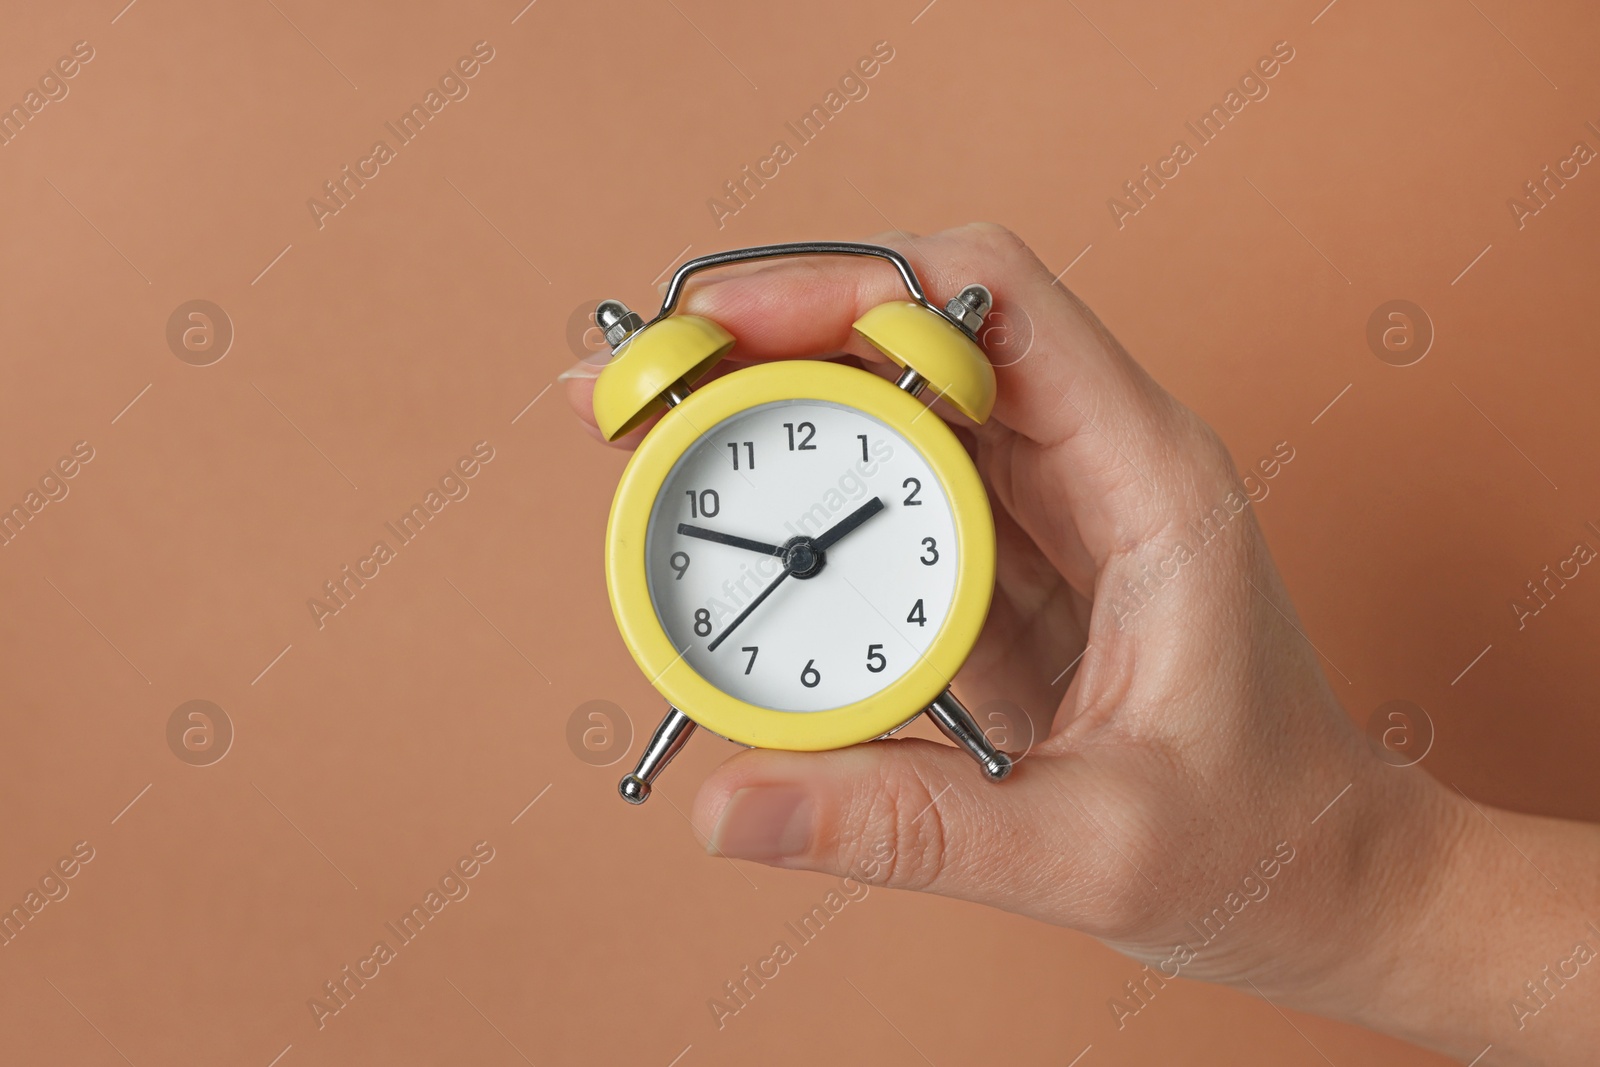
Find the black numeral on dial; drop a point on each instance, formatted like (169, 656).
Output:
(679, 561)
(702, 622)
(807, 432)
(875, 661)
(930, 557)
(752, 649)
(810, 677)
(704, 504)
(749, 451)
(911, 500)
(917, 615)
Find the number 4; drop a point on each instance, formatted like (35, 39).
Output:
(917, 615)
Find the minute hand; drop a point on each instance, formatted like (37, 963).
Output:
(849, 522)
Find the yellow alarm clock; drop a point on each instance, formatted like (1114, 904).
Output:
(799, 555)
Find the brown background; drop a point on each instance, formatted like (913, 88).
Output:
(429, 312)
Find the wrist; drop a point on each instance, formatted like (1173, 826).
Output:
(1405, 853)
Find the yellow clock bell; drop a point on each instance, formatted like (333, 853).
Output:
(799, 556)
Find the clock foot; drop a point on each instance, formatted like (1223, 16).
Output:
(956, 723)
(669, 737)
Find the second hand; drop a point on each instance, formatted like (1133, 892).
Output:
(748, 608)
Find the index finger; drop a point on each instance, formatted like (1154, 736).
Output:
(806, 307)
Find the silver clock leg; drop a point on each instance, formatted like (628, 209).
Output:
(669, 737)
(957, 724)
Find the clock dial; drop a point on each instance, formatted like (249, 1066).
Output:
(802, 555)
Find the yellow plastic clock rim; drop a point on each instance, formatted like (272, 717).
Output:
(628, 584)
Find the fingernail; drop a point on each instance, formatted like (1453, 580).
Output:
(764, 823)
(581, 369)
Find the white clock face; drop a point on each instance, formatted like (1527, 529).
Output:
(848, 608)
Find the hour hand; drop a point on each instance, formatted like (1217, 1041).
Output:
(729, 539)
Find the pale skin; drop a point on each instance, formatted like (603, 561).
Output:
(1196, 740)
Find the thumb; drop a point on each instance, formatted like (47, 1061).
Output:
(909, 814)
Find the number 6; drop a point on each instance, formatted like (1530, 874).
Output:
(810, 677)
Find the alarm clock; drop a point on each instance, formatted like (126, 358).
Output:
(800, 555)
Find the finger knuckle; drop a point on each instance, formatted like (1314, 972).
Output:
(904, 812)
(997, 237)
(1210, 465)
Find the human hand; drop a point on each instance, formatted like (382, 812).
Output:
(1193, 763)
